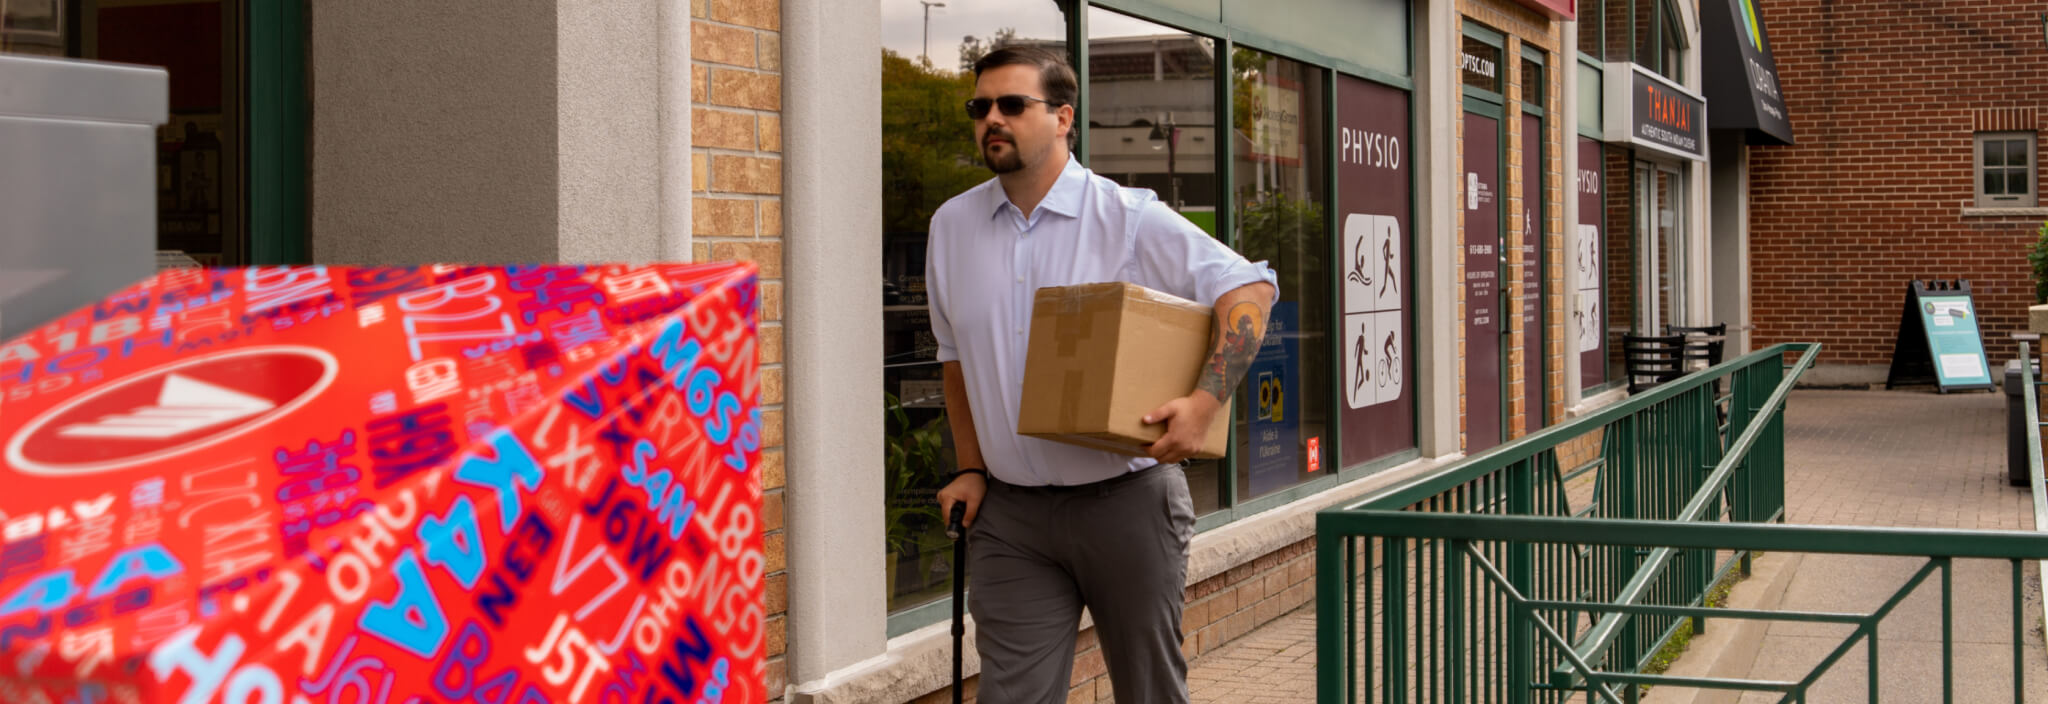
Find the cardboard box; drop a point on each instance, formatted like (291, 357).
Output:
(1103, 355)
(313, 484)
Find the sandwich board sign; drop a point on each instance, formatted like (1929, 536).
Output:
(1938, 340)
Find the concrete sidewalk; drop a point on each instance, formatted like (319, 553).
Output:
(1872, 458)
(1901, 459)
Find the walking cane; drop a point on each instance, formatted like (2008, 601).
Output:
(954, 531)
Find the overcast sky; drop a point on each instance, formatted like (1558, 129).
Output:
(903, 24)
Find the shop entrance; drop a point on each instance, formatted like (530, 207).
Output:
(1485, 255)
(202, 162)
(1660, 217)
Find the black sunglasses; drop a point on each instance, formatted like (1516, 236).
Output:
(1011, 105)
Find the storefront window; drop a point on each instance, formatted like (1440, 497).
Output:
(1279, 189)
(1617, 27)
(1480, 65)
(1152, 124)
(198, 158)
(1592, 27)
(928, 156)
(1659, 39)
(1532, 83)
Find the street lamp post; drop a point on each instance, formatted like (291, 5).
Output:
(928, 5)
(1171, 134)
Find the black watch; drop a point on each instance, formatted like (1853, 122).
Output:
(969, 470)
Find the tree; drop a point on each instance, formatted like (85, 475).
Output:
(973, 48)
(928, 151)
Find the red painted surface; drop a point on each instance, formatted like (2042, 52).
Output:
(461, 483)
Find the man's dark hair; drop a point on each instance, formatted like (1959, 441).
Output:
(1055, 78)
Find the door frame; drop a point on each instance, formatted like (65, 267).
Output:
(1539, 416)
(1493, 105)
(279, 110)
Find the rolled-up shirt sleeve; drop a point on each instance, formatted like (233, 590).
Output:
(934, 290)
(1173, 255)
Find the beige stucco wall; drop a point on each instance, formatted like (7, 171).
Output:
(606, 110)
(433, 132)
(522, 131)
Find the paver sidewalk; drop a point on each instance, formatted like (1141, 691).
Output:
(1873, 458)
(1904, 459)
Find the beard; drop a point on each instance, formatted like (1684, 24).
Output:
(1011, 161)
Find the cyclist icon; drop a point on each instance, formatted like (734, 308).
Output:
(1390, 363)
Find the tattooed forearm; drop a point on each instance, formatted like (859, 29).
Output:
(1234, 341)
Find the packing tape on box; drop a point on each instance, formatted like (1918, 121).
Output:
(1068, 331)
(1071, 327)
(1070, 397)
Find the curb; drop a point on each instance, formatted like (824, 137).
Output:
(1729, 647)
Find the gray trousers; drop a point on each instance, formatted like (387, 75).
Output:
(1036, 555)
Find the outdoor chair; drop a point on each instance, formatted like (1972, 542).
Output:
(1703, 349)
(1649, 360)
(1702, 344)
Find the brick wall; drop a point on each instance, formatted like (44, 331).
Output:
(736, 168)
(1884, 98)
(1219, 610)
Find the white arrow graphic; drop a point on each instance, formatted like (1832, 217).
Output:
(183, 405)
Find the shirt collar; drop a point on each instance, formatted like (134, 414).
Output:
(1064, 198)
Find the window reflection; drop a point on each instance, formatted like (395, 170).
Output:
(199, 155)
(1152, 124)
(928, 156)
(1279, 192)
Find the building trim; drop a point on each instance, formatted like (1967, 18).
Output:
(672, 116)
(1438, 93)
(832, 133)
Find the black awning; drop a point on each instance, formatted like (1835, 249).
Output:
(1741, 79)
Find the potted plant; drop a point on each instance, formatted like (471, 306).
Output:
(915, 465)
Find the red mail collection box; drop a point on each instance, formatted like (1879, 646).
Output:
(327, 484)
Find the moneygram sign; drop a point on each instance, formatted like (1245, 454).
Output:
(281, 484)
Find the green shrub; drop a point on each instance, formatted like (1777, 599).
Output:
(2038, 258)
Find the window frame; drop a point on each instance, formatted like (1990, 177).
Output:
(1979, 170)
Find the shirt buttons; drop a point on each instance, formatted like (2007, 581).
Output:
(1020, 279)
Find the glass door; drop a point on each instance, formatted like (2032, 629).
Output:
(1660, 230)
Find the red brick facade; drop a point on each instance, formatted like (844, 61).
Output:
(1885, 99)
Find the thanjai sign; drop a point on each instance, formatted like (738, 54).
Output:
(1662, 116)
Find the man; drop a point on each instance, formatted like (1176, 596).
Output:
(1057, 527)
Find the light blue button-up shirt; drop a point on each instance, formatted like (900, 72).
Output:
(987, 261)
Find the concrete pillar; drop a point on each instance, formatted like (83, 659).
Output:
(832, 203)
(1437, 92)
(1729, 160)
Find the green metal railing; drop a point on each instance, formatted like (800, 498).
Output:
(1446, 671)
(1555, 567)
(2031, 400)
